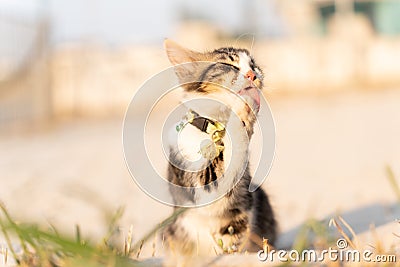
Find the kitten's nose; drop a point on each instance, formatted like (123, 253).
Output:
(250, 75)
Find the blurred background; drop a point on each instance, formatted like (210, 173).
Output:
(68, 70)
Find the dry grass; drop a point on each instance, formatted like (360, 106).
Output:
(45, 246)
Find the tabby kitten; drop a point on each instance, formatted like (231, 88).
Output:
(239, 220)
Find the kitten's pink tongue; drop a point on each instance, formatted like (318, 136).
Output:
(253, 93)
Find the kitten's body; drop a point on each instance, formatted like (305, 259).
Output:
(239, 220)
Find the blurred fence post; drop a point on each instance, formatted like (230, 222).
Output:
(25, 89)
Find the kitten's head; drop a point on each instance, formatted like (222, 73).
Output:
(216, 71)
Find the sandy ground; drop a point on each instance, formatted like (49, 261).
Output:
(331, 153)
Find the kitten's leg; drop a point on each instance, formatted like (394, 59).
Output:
(180, 246)
(177, 239)
(263, 224)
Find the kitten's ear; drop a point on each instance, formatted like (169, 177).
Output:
(178, 54)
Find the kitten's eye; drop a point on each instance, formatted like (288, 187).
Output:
(231, 58)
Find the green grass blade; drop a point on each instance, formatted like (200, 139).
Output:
(393, 183)
(159, 227)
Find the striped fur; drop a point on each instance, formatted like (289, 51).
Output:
(240, 219)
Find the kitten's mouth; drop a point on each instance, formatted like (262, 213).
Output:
(253, 93)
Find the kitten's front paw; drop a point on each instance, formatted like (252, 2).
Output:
(228, 243)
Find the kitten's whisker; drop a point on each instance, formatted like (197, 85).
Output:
(252, 44)
(239, 37)
(243, 35)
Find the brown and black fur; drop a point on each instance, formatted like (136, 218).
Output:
(241, 217)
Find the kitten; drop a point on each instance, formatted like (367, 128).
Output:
(239, 220)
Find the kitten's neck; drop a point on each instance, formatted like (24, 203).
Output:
(221, 106)
(236, 139)
(210, 109)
